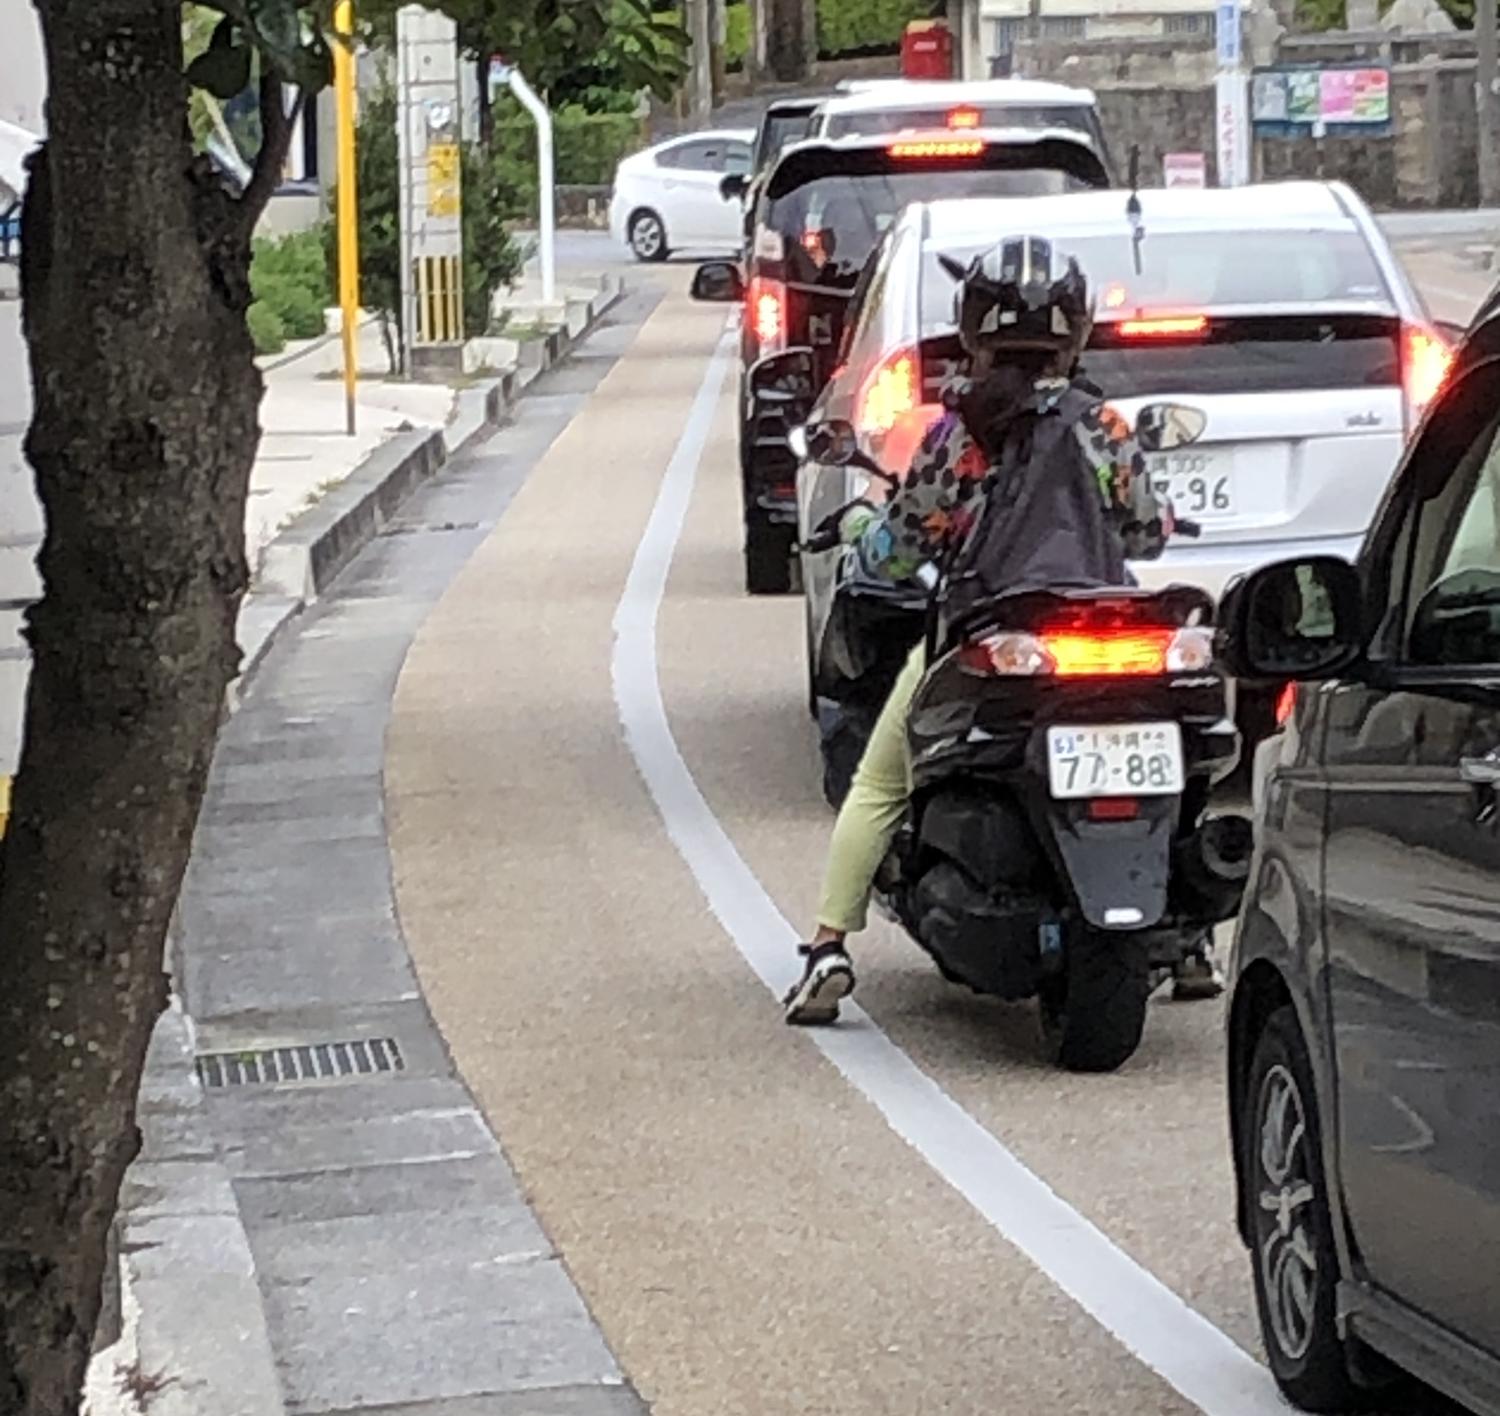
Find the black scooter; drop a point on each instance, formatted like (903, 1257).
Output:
(1064, 745)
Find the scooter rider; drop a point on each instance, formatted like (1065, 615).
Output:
(1028, 472)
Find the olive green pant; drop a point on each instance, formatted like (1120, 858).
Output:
(873, 809)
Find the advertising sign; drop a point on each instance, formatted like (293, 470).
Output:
(1228, 24)
(1345, 99)
(1184, 169)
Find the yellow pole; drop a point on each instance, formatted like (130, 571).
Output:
(343, 80)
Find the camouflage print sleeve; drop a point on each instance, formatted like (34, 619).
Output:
(933, 505)
(1143, 519)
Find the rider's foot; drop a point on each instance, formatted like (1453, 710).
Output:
(1196, 977)
(826, 981)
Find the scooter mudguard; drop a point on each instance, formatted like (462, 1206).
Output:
(1119, 870)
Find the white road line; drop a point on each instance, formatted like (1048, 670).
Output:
(1151, 1321)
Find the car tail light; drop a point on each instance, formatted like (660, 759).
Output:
(1122, 652)
(963, 118)
(765, 308)
(890, 392)
(1163, 327)
(1286, 704)
(1425, 361)
(912, 148)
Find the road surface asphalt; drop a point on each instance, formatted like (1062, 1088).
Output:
(749, 1228)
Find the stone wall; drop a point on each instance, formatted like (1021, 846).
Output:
(1159, 94)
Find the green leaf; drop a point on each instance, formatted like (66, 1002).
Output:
(221, 71)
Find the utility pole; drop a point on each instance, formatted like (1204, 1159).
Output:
(1484, 102)
(701, 79)
(348, 212)
(718, 32)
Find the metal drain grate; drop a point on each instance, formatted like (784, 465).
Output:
(307, 1062)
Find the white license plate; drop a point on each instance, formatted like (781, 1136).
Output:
(1198, 484)
(1114, 759)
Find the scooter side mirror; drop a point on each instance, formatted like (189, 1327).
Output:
(833, 443)
(1160, 427)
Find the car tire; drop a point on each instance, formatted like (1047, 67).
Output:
(647, 234)
(1093, 1012)
(1297, 1302)
(768, 557)
(843, 734)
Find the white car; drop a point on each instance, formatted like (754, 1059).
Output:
(667, 198)
(894, 105)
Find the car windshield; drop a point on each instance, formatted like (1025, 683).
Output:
(1199, 270)
(1072, 117)
(832, 223)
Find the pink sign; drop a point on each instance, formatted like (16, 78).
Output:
(1184, 169)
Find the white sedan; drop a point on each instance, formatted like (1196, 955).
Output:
(667, 198)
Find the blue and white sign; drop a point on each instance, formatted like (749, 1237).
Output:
(1229, 34)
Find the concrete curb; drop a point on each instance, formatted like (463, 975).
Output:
(300, 563)
(195, 1311)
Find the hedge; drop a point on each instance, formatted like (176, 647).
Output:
(586, 149)
(844, 27)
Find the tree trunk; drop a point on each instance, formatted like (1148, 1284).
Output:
(135, 281)
(788, 54)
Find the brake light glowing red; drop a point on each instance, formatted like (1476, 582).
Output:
(1286, 704)
(1108, 653)
(964, 118)
(937, 147)
(766, 308)
(1163, 327)
(1425, 362)
(890, 392)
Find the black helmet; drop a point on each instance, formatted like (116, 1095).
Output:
(1022, 294)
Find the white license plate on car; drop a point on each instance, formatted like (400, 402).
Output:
(1198, 484)
(1114, 760)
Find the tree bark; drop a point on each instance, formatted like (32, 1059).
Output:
(135, 282)
(789, 55)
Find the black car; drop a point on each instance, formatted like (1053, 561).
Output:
(1364, 1021)
(817, 217)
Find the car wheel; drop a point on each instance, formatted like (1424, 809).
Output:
(768, 557)
(648, 236)
(1286, 1196)
(1094, 1011)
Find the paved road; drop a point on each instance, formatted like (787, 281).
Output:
(606, 829)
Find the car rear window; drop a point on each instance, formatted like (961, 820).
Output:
(832, 223)
(777, 130)
(1071, 117)
(1199, 271)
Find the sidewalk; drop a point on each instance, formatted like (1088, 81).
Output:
(322, 1221)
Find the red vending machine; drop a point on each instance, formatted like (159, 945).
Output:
(927, 50)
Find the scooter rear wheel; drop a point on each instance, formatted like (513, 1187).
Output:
(1094, 1011)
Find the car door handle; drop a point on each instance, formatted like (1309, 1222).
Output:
(1481, 771)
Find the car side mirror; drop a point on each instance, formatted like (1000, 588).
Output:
(733, 187)
(1294, 619)
(1159, 427)
(784, 378)
(718, 282)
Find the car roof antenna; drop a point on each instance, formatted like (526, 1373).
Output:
(1133, 206)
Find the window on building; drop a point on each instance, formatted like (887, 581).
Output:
(1204, 24)
(1004, 34)
(1063, 26)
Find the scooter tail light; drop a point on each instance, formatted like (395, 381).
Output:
(1113, 808)
(1129, 652)
(890, 392)
(1425, 362)
(766, 311)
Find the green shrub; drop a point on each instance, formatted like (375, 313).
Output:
(491, 257)
(736, 35)
(289, 275)
(266, 330)
(864, 26)
(587, 147)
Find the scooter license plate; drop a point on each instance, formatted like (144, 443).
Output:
(1114, 759)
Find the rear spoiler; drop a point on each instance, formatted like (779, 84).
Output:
(1016, 151)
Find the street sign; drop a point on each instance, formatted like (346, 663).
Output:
(1232, 128)
(1184, 169)
(1228, 20)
